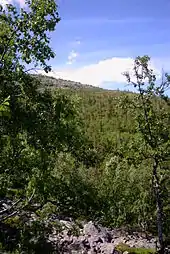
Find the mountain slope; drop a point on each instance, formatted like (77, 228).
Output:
(53, 83)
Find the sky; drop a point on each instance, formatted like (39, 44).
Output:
(96, 41)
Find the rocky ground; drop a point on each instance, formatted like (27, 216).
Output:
(82, 237)
(51, 82)
(88, 238)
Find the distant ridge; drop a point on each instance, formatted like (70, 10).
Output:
(51, 82)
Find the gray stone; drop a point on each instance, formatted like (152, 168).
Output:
(94, 239)
(107, 248)
(90, 229)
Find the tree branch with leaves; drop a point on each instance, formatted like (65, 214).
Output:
(152, 123)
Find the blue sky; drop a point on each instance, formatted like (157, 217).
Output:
(101, 38)
(94, 31)
(110, 28)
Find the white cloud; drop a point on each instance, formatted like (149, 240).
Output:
(72, 57)
(109, 70)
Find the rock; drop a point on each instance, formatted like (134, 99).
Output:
(116, 252)
(118, 240)
(142, 243)
(66, 224)
(107, 248)
(86, 244)
(76, 245)
(94, 239)
(90, 229)
(167, 250)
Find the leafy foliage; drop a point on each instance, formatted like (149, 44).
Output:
(81, 153)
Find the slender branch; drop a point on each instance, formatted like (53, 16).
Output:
(32, 69)
(8, 209)
(31, 197)
(18, 209)
(145, 111)
(9, 216)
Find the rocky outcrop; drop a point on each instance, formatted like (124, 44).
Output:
(90, 239)
(63, 235)
(51, 82)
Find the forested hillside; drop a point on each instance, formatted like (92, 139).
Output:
(87, 154)
(51, 82)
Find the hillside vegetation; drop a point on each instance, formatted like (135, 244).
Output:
(81, 152)
(51, 82)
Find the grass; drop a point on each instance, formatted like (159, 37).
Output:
(124, 247)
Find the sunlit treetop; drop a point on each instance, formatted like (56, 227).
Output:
(24, 34)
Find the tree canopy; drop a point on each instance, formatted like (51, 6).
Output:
(90, 154)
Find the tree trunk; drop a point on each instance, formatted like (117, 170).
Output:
(156, 186)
